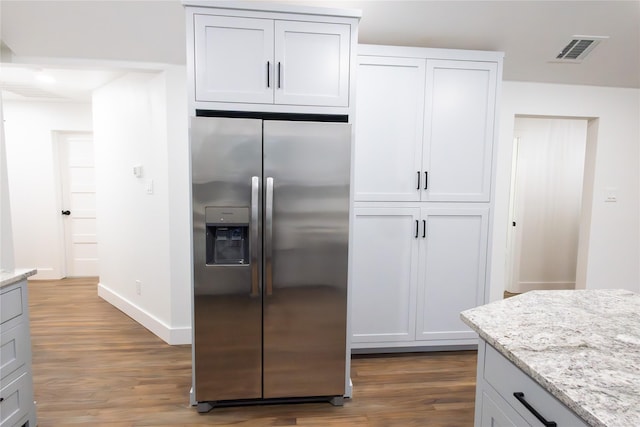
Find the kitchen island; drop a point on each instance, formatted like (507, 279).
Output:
(564, 357)
(17, 407)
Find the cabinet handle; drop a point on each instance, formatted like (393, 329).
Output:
(520, 396)
(417, 228)
(418, 187)
(424, 228)
(279, 75)
(426, 179)
(268, 74)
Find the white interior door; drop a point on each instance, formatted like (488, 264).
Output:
(547, 202)
(78, 192)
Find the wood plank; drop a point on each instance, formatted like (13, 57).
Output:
(93, 365)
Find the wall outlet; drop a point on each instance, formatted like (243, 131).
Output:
(149, 186)
(138, 287)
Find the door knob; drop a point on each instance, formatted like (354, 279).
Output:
(66, 212)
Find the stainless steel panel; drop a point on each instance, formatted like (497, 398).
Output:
(226, 163)
(305, 314)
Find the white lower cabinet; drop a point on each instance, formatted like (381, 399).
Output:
(506, 396)
(415, 268)
(17, 407)
(499, 415)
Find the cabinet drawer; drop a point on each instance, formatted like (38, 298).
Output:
(11, 304)
(499, 414)
(508, 379)
(17, 398)
(13, 349)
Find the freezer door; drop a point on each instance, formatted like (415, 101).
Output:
(306, 221)
(226, 166)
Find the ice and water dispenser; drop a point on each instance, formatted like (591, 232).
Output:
(227, 235)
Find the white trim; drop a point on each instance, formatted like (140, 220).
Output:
(543, 286)
(172, 336)
(253, 6)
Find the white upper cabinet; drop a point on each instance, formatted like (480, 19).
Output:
(231, 59)
(424, 126)
(312, 63)
(458, 136)
(389, 122)
(264, 60)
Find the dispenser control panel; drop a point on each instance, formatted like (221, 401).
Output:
(227, 235)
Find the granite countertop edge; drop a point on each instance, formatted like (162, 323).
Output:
(8, 278)
(587, 416)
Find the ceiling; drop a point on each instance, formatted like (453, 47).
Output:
(95, 37)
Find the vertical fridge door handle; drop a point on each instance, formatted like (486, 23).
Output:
(253, 232)
(268, 236)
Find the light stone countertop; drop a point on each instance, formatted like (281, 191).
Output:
(582, 346)
(10, 277)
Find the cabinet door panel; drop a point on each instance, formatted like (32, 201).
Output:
(231, 56)
(454, 265)
(502, 415)
(389, 121)
(385, 274)
(312, 63)
(459, 124)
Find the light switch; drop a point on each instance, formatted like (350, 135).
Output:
(137, 171)
(611, 195)
(150, 186)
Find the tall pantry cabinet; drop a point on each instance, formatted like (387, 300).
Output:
(424, 147)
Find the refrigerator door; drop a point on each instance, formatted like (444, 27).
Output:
(306, 221)
(226, 167)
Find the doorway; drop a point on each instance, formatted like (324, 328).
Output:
(76, 166)
(546, 202)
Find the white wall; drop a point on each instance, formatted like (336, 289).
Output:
(33, 181)
(7, 262)
(140, 119)
(612, 258)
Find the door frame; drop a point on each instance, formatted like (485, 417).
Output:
(587, 201)
(58, 137)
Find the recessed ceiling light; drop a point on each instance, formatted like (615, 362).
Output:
(43, 77)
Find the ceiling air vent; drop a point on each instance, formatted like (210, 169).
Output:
(578, 48)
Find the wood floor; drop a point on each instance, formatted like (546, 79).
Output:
(94, 366)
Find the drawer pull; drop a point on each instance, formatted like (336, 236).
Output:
(520, 396)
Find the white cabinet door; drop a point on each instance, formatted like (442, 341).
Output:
(389, 122)
(459, 124)
(385, 274)
(453, 267)
(502, 415)
(312, 63)
(232, 57)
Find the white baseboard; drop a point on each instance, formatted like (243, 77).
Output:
(542, 286)
(172, 336)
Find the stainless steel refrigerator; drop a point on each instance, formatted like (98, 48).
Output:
(270, 247)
